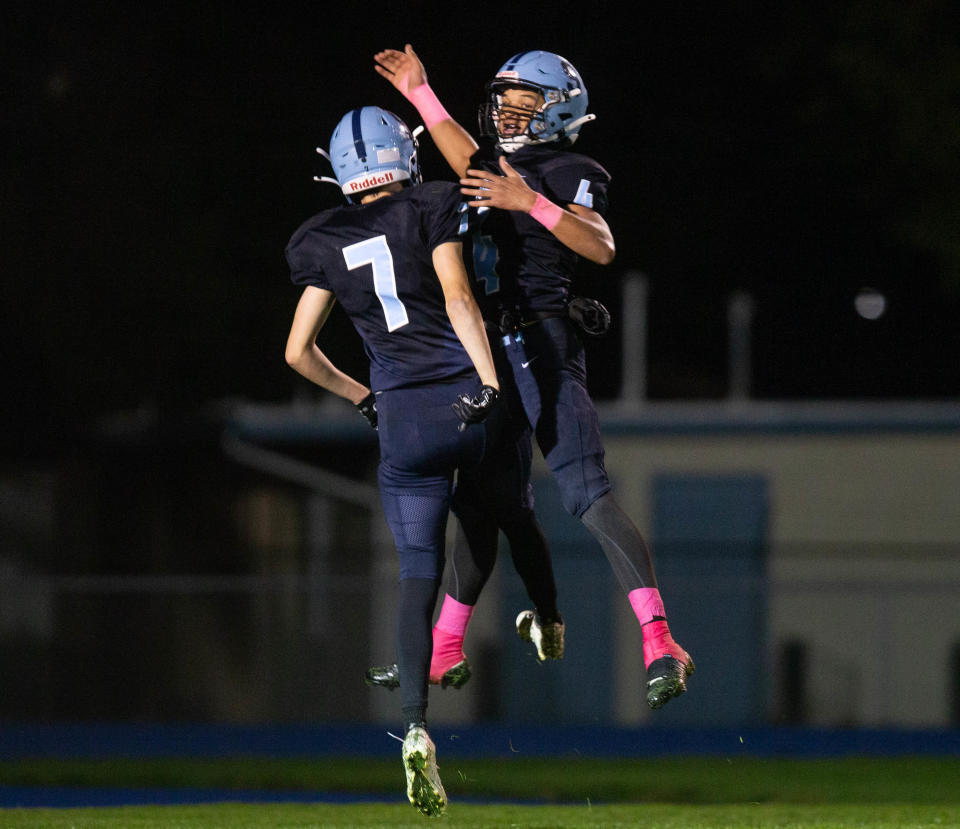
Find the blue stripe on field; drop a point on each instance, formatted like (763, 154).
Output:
(92, 740)
(74, 797)
(67, 797)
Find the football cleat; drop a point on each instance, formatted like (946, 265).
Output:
(548, 638)
(388, 676)
(667, 678)
(455, 676)
(424, 789)
(383, 676)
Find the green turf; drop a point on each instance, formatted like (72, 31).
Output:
(689, 780)
(649, 816)
(697, 792)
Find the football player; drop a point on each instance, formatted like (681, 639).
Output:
(504, 502)
(547, 210)
(392, 258)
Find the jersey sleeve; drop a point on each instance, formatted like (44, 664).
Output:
(578, 180)
(304, 260)
(445, 216)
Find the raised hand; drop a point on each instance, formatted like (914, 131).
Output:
(403, 69)
(507, 192)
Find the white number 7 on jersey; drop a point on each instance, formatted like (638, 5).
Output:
(376, 252)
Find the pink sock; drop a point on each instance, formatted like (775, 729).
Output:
(657, 640)
(646, 603)
(448, 635)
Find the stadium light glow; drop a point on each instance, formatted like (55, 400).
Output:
(870, 303)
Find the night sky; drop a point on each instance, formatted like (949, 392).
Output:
(156, 160)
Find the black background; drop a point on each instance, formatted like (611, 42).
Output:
(157, 158)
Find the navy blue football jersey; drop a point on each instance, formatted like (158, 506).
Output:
(533, 270)
(376, 259)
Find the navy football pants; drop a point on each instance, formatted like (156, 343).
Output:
(499, 498)
(549, 369)
(421, 447)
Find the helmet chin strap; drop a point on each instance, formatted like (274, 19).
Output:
(583, 119)
(511, 145)
(326, 179)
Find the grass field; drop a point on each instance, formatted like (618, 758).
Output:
(574, 792)
(650, 816)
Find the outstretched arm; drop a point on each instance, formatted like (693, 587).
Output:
(581, 229)
(405, 71)
(303, 355)
(463, 310)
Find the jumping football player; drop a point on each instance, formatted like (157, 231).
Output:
(393, 259)
(504, 502)
(548, 204)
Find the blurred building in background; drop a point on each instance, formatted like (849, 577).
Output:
(236, 567)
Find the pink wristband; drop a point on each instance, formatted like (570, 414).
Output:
(428, 105)
(546, 212)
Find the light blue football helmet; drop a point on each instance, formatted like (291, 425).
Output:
(564, 108)
(371, 147)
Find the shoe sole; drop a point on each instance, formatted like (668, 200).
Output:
(668, 687)
(554, 651)
(525, 631)
(389, 682)
(524, 623)
(420, 790)
(455, 677)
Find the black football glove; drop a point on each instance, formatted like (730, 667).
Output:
(590, 315)
(368, 408)
(477, 409)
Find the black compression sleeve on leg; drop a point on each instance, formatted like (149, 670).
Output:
(415, 644)
(622, 543)
(531, 558)
(474, 555)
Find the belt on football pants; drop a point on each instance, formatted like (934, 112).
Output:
(511, 322)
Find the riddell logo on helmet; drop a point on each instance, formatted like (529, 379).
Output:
(372, 181)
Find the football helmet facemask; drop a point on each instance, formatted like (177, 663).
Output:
(371, 147)
(558, 117)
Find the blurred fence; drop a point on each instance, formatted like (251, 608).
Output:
(809, 559)
(293, 648)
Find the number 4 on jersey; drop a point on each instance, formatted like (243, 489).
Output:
(376, 253)
(485, 255)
